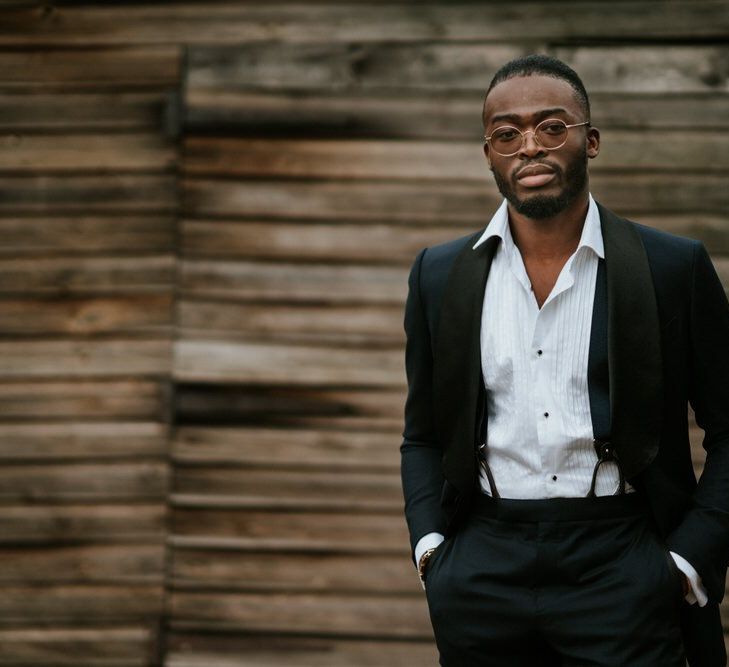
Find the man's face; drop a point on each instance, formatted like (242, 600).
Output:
(539, 183)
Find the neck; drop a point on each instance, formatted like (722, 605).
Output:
(550, 238)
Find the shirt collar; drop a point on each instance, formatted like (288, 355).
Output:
(591, 232)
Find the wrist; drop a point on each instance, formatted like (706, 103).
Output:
(423, 563)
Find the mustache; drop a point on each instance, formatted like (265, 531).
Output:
(547, 163)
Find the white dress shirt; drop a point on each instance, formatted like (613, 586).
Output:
(534, 365)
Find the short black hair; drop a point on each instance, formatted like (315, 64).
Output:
(546, 66)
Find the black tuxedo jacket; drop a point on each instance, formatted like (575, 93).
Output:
(660, 339)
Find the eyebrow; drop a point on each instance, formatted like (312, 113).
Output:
(539, 115)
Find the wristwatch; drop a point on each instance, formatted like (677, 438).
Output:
(423, 562)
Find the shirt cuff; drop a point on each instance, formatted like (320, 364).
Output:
(429, 541)
(697, 592)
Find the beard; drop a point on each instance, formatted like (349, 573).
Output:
(541, 207)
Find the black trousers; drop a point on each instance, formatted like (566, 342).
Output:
(575, 582)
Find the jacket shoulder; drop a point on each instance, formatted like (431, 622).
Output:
(435, 267)
(438, 260)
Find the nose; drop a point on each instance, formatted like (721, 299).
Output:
(529, 146)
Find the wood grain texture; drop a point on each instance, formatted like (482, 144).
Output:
(132, 564)
(67, 70)
(324, 573)
(192, 649)
(87, 234)
(262, 363)
(85, 359)
(69, 441)
(69, 153)
(64, 194)
(60, 314)
(309, 448)
(61, 275)
(291, 282)
(99, 523)
(97, 110)
(84, 399)
(104, 646)
(335, 615)
(79, 482)
(369, 489)
(440, 66)
(73, 605)
(344, 324)
(290, 22)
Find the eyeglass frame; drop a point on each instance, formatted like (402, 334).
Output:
(487, 139)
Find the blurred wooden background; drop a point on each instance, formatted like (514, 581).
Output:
(207, 213)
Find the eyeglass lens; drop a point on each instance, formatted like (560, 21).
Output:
(550, 134)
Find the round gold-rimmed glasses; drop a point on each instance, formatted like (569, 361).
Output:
(550, 134)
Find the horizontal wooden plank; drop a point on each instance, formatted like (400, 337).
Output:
(29, 111)
(649, 68)
(349, 487)
(189, 649)
(341, 243)
(85, 399)
(72, 441)
(326, 573)
(154, 66)
(268, 446)
(382, 532)
(49, 275)
(380, 324)
(407, 114)
(95, 482)
(355, 21)
(79, 605)
(437, 201)
(279, 281)
(105, 646)
(103, 564)
(84, 358)
(685, 68)
(350, 615)
(219, 22)
(219, 404)
(59, 153)
(139, 314)
(111, 193)
(620, 150)
(261, 363)
(375, 242)
(78, 234)
(260, 503)
(39, 523)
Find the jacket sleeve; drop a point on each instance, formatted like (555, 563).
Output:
(421, 451)
(703, 535)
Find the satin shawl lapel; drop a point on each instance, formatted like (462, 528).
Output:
(457, 365)
(634, 346)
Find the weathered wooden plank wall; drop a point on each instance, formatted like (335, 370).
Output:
(87, 218)
(323, 144)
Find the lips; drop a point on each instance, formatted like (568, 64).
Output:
(535, 175)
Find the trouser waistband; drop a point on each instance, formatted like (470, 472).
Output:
(561, 509)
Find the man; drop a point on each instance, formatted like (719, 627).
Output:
(553, 511)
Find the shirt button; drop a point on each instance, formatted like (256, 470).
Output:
(554, 477)
(539, 352)
(546, 414)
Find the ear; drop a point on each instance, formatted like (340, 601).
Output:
(593, 142)
(486, 155)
